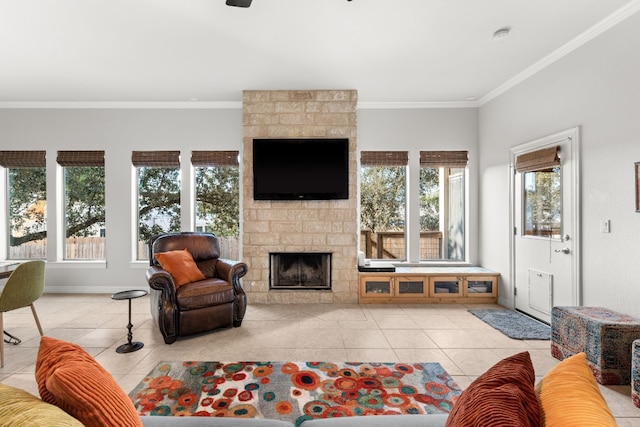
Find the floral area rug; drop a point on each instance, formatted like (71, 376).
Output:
(294, 391)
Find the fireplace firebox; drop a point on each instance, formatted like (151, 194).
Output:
(300, 270)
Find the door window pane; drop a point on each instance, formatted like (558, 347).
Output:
(543, 203)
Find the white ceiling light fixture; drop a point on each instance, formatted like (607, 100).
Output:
(501, 33)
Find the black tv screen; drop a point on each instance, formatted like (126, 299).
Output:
(301, 169)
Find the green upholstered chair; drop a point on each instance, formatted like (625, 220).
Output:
(23, 287)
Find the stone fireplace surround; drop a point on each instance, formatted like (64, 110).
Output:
(307, 225)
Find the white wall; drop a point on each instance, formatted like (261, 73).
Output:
(120, 131)
(596, 87)
(416, 130)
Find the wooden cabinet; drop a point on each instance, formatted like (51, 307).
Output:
(387, 288)
(446, 286)
(430, 285)
(411, 287)
(376, 287)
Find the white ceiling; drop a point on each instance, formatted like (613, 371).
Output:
(391, 51)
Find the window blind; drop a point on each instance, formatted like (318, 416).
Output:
(23, 159)
(158, 159)
(214, 158)
(539, 160)
(80, 158)
(444, 159)
(384, 158)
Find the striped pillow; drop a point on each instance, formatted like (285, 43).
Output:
(71, 379)
(570, 397)
(502, 396)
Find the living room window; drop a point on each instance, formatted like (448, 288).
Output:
(442, 205)
(158, 179)
(383, 189)
(217, 198)
(84, 204)
(26, 178)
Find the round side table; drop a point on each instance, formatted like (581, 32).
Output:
(129, 295)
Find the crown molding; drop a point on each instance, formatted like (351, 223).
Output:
(217, 105)
(599, 28)
(123, 105)
(410, 105)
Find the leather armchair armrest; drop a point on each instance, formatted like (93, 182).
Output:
(160, 280)
(231, 271)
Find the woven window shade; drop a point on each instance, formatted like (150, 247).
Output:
(80, 158)
(214, 158)
(444, 159)
(539, 160)
(384, 158)
(23, 159)
(158, 159)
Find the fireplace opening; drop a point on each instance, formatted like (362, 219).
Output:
(300, 270)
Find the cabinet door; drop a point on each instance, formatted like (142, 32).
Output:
(445, 286)
(481, 286)
(411, 287)
(376, 286)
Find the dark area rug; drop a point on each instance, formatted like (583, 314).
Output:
(513, 323)
(294, 391)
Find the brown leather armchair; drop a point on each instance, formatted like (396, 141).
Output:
(218, 301)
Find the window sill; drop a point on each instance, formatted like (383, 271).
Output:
(89, 264)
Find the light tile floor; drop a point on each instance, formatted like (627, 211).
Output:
(448, 334)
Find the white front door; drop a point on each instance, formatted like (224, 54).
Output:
(545, 248)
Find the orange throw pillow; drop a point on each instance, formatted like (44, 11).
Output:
(71, 379)
(502, 396)
(181, 266)
(570, 397)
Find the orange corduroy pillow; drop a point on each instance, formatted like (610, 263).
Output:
(570, 397)
(181, 266)
(502, 396)
(71, 379)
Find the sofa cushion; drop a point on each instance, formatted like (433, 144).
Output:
(502, 396)
(71, 379)
(204, 293)
(22, 409)
(569, 396)
(180, 265)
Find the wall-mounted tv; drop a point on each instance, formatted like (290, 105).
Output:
(301, 169)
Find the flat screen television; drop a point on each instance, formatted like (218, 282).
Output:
(301, 169)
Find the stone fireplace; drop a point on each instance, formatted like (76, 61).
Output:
(300, 226)
(299, 270)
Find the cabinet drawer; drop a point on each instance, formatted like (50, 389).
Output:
(376, 287)
(410, 287)
(480, 286)
(445, 287)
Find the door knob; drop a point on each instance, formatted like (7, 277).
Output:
(563, 250)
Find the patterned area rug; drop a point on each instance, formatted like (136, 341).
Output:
(294, 391)
(514, 324)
